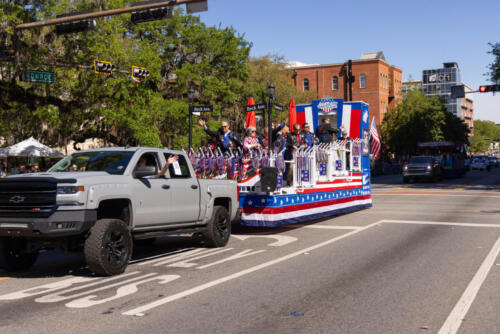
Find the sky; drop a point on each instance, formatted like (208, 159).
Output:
(414, 35)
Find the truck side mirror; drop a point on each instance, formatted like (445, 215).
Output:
(144, 171)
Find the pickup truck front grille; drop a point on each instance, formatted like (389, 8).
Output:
(27, 199)
(417, 170)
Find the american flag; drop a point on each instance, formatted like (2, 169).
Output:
(376, 146)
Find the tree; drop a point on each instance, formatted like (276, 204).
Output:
(274, 69)
(418, 119)
(494, 68)
(485, 132)
(82, 104)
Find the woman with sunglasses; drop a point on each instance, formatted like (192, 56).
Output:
(251, 141)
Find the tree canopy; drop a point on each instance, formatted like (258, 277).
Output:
(179, 53)
(418, 119)
(485, 132)
(494, 67)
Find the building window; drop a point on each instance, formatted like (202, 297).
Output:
(305, 84)
(335, 83)
(381, 81)
(362, 80)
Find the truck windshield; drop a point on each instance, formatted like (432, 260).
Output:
(112, 162)
(420, 160)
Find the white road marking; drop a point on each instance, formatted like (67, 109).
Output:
(281, 240)
(41, 289)
(121, 292)
(417, 222)
(216, 282)
(329, 227)
(187, 263)
(58, 296)
(240, 255)
(457, 315)
(158, 257)
(174, 256)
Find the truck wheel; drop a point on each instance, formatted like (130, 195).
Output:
(108, 248)
(13, 256)
(218, 228)
(406, 179)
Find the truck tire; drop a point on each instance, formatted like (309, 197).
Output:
(218, 228)
(406, 179)
(12, 255)
(109, 247)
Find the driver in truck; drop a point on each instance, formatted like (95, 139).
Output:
(142, 162)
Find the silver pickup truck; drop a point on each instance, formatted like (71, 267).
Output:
(103, 201)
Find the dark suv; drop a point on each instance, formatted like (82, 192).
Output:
(422, 167)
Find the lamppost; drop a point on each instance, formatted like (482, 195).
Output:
(190, 99)
(270, 94)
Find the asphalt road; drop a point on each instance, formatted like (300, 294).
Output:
(425, 258)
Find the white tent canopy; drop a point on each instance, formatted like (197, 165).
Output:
(29, 147)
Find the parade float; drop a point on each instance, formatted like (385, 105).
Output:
(328, 179)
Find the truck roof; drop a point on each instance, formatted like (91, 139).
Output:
(131, 149)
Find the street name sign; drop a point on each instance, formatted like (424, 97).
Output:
(197, 110)
(256, 107)
(278, 107)
(38, 76)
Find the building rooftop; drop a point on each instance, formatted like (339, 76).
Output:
(373, 55)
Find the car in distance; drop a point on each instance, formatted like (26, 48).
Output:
(493, 161)
(422, 167)
(479, 164)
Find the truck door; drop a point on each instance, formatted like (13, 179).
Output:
(151, 196)
(185, 190)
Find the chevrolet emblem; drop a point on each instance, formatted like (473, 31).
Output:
(16, 199)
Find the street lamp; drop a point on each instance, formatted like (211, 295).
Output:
(270, 94)
(190, 99)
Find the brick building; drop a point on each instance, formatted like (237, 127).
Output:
(376, 82)
(467, 106)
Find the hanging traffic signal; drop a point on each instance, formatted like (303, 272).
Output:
(103, 67)
(153, 14)
(489, 88)
(139, 72)
(76, 26)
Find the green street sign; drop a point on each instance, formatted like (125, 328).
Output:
(38, 76)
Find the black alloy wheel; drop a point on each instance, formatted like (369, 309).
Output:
(218, 228)
(108, 248)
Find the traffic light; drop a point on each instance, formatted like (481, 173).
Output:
(139, 72)
(153, 14)
(76, 26)
(103, 67)
(489, 88)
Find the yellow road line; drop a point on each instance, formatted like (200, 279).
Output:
(2, 278)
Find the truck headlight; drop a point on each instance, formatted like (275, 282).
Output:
(405, 167)
(429, 167)
(65, 190)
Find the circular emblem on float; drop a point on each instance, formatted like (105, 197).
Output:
(327, 104)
